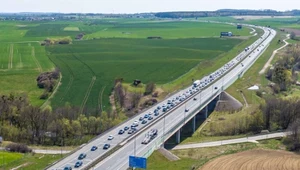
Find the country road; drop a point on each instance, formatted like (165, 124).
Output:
(262, 71)
(231, 141)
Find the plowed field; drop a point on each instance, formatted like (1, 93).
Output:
(256, 160)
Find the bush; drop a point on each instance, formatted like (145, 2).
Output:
(149, 88)
(44, 96)
(259, 93)
(276, 88)
(18, 147)
(155, 94)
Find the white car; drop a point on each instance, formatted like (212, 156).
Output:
(110, 137)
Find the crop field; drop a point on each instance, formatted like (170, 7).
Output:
(20, 64)
(166, 30)
(256, 159)
(90, 67)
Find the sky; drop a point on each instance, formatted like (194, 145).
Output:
(137, 6)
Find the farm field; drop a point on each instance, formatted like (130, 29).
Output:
(256, 159)
(166, 30)
(20, 64)
(89, 68)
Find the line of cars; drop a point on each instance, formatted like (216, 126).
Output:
(83, 155)
(213, 76)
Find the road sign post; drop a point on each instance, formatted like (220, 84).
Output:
(137, 162)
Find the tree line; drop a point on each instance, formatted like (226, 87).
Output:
(22, 122)
(226, 12)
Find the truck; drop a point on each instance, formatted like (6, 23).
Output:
(196, 83)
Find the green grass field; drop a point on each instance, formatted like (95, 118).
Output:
(167, 30)
(7, 158)
(20, 64)
(101, 61)
(26, 161)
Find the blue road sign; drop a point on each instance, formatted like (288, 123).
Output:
(137, 162)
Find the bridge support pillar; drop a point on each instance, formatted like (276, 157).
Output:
(178, 136)
(194, 124)
(206, 111)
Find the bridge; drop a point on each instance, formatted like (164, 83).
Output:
(167, 123)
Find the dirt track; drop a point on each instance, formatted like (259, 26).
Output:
(256, 160)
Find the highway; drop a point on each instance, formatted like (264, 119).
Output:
(166, 123)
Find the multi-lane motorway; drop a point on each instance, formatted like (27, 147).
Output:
(166, 123)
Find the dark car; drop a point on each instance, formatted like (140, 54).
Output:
(121, 131)
(126, 128)
(158, 107)
(150, 118)
(68, 168)
(141, 118)
(144, 121)
(216, 88)
(156, 114)
(146, 116)
(81, 156)
(186, 110)
(106, 146)
(94, 148)
(78, 164)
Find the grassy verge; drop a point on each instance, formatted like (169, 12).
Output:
(5, 143)
(6, 157)
(27, 161)
(195, 158)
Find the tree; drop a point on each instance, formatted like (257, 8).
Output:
(282, 77)
(135, 99)
(119, 94)
(149, 88)
(293, 35)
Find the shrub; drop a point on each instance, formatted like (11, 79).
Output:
(44, 96)
(18, 147)
(149, 88)
(259, 93)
